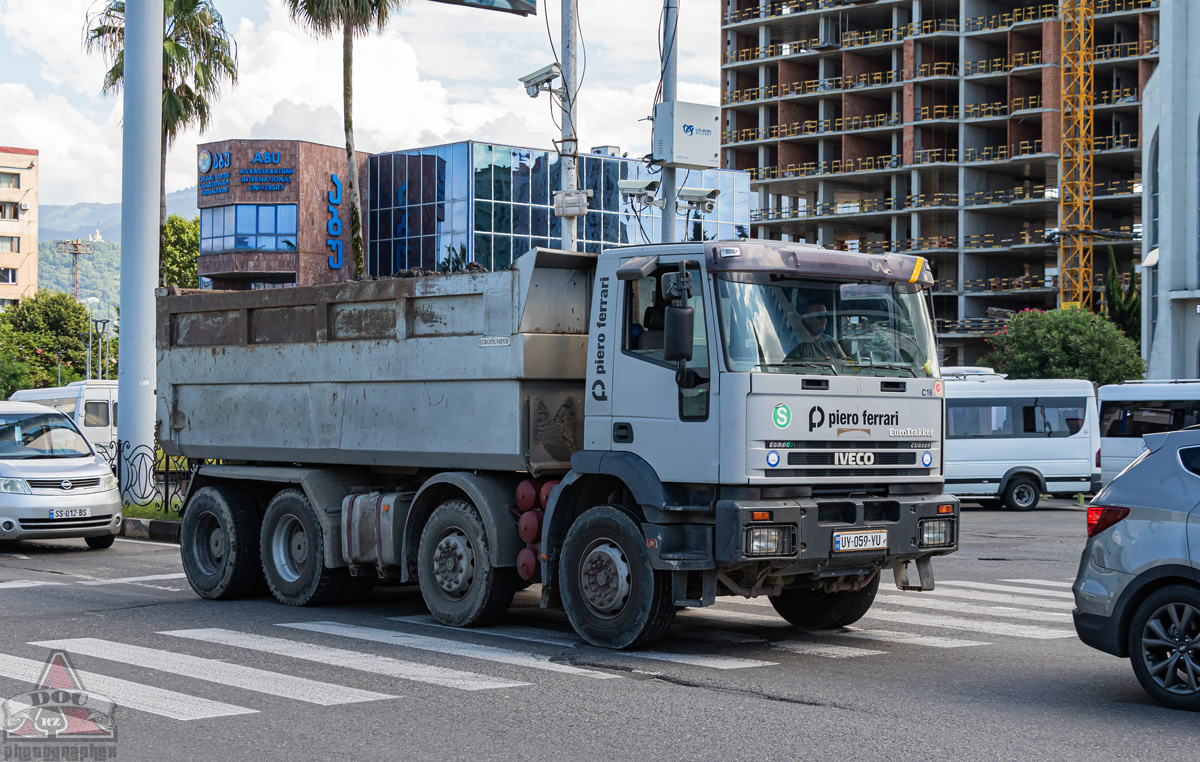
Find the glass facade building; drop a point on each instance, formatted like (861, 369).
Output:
(441, 207)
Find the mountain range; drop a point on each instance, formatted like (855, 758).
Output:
(61, 222)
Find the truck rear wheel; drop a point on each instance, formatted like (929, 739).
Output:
(613, 596)
(218, 541)
(293, 553)
(819, 611)
(458, 582)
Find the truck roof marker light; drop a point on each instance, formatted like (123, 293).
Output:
(916, 273)
(943, 509)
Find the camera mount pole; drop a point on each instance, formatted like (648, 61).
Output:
(569, 150)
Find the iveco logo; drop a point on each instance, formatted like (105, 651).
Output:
(66, 484)
(854, 459)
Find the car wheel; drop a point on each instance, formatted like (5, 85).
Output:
(293, 553)
(101, 542)
(819, 611)
(612, 595)
(1021, 494)
(1164, 647)
(218, 541)
(458, 582)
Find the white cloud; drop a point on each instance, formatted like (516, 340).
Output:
(437, 74)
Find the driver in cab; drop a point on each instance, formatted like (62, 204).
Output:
(815, 342)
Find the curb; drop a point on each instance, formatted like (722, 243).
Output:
(150, 529)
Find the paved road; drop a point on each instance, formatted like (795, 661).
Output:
(985, 667)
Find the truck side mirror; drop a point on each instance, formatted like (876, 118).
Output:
(678, 323)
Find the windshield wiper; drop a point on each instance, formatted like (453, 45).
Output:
(800, 364)
(884, 365)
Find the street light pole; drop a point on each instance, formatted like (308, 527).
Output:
(569, 151)
(670, 81)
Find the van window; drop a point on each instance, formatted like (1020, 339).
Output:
(1022, 418)
(1139, 418)
(95, 413)
(1190, 458)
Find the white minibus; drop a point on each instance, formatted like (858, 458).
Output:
(91, 404)
(1133, 409)
(1010, 441)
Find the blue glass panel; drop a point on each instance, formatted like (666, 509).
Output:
(285, 218)
(429, 175)
(265, 243)
(483, 171)
(483, 250)
(520, 219)
(443, 255)
(399, 178)
(612, 194)
(412, 179)
(725, 202)
(612, 225)
(373, 228)
(227, 228)
(539, 179)
(226, 243)
(385, 225)
(206, 245)
(286, 243)
(741, 231)
(399, 256)
(402, 222)
(247, 220)
(555, 224)
(442, 218)
(592, 248)
(387, 181)
(521, 175)
(458, 216)
(206, 230)
(555, 176)
(711, 232)
(428, 220)
(459, 170)
(373, 258)
(539, 222)
(520, 245)
(501, 219)
(266, 219)
(440, 189)
(594, 228)
(483, 216)
(501, 252)
(593, 172)
(539, 243)
(502, 174)
(459, 242)
(243, 242)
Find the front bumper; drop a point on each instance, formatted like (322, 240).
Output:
(815, 521)
(26, 517)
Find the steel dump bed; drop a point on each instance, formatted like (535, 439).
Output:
(461, 371)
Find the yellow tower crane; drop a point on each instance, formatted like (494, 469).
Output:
(1075, 176)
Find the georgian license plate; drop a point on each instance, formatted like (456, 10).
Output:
(876, 539)
(70, 513)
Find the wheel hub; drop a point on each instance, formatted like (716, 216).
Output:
(1168, 648)
(454, 564)
(289, 548)
(216, 543)
(604, 574)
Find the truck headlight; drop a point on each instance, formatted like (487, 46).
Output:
(108, 481)
(937, 533)
(14, 486)
(778, 540)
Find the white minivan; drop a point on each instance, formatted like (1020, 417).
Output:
(1133, 409)
(92, 405)
(1011, 441)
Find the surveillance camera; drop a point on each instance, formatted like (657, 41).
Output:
(700, 199)
(640, 191)
(541, 79)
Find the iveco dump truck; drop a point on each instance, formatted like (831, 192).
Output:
(636, 431)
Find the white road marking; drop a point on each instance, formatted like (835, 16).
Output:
(144, 698)
(149, 542)
(18, 583)
(445, 646)
(1043, 582)
(917, 600)
(21, 556)
(339, 657)
(1009, 589)
(984, 596)
(971, 625)
(824, 650)
(125, 580)
(559, 639)
(216, 671)
(531, 634)
(893, 636)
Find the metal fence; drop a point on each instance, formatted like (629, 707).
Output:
(147, 476)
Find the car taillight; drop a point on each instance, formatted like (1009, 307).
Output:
(1097, 459)
(1101, 517)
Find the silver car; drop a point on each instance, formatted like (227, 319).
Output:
(52, 483)
(1137, 593)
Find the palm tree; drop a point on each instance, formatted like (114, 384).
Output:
(325, 18)
(198, 56)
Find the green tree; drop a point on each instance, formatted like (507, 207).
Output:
(180, 245)
(1067, 343)
(49, 332)
(1124, 303)
(17, 371)
(198, 56)
(350, 18)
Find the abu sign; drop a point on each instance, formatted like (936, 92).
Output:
(523, 7)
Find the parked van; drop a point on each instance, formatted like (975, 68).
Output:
(1012, 441)
(91, 404)
(1133, 409)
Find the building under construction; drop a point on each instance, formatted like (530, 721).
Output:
(935, 127)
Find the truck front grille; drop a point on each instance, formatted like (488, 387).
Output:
(827, 458)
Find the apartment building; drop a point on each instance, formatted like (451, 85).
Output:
(18, 224)
(933, 127)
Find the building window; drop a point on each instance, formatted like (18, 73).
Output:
(248, 227)
(9, 244)
(6, 303)
(1155, 186)
(9, 210)
(10, 180)
(8, 276)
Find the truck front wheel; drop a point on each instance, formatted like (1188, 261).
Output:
(293, 553)
(613, 597)
(218, 541)
(819, 611)
(458, 582)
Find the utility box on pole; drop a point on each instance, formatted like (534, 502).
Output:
(687, 135)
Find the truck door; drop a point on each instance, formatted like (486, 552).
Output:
(675, 430)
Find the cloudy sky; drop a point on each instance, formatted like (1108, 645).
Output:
(438, 73)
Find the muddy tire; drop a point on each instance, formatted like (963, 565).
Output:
(218, 541)
(293, 553)
(454, 569)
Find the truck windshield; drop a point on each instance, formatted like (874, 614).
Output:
(27, 436)
(773, 323)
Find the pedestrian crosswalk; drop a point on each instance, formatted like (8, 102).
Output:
(357, 657)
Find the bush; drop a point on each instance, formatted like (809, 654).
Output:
(1067, 343)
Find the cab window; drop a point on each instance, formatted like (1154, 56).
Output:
(95, 413)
